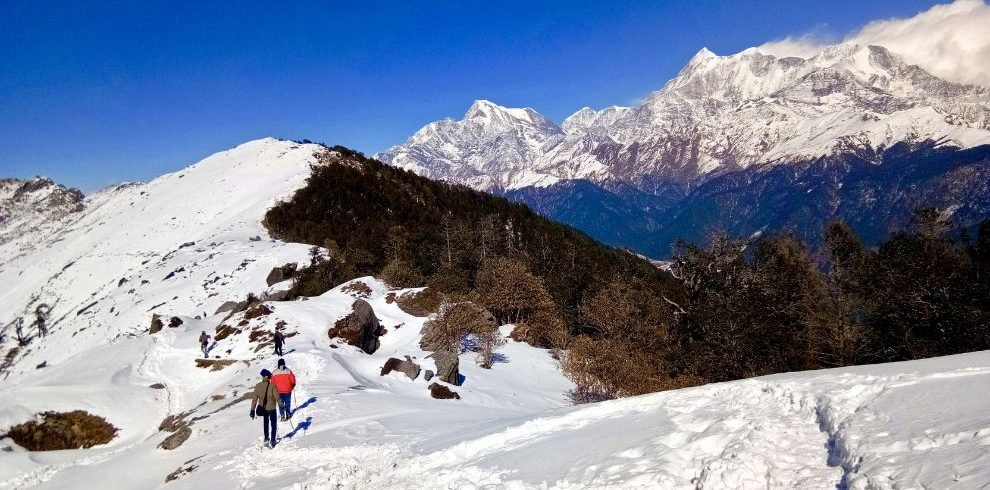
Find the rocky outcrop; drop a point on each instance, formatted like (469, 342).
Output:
(448, 367)
(232, 307)
(156, 324)
(361, 328)
(441, 392)
(176, 439)
(282, 273)
(407, 367)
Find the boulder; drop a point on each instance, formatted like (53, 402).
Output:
(429, 375)
(282, 273)
(448, 367)
(441, 392)
(174, 322)
(232, 307)
(407, 367)
(156, 324)
(361, 328)
(176, 439)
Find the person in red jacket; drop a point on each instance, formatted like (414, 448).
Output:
(284, 381)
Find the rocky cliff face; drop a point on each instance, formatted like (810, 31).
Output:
(26, 205)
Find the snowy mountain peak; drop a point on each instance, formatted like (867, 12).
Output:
(703, 122)
(701, 56)
(486, 112)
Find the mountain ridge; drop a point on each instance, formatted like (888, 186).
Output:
(719, 115)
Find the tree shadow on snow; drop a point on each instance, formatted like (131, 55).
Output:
(303, 426)
(499, 358)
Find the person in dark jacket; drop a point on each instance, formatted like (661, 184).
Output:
(279, 342)
(266, 402)
(204, 343)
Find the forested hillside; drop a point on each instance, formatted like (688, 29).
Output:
(732, 309)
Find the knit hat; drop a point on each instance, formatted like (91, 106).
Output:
(265, 373)
(281, 362)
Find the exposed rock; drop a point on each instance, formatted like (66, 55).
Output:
(232, 307)
(448, 367)
(278, 295)
(407, 367)
(441, 392)
(174, 322)
(180, 472)
(361, 328)
(157, 386)
(283, 273)
(176, 439)
(156, 323)
(429, 375)
(42, 365)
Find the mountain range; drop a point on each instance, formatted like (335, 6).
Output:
(750, 143)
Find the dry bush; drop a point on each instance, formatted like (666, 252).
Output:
(224, 331)
(452, 321)
(214, 364)
(357, 289)
(423, 303)
(489, 339)
(400, 273)
(63, 430)
(257, 311)
(604, 369)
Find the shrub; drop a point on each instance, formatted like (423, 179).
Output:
(63, 430)
(399, 273)
(422, 303)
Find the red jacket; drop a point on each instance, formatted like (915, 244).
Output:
(284, 380)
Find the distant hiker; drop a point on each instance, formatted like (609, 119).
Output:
(279, 342)
(284, 381)
(204, 342)
(264, 401)
(19, 330)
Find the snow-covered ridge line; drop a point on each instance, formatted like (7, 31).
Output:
(718, 114)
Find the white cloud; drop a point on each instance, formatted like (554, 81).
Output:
(950, 41)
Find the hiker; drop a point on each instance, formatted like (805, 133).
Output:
(264, 401)
(204, 342)
(279, 341)
(285, 381)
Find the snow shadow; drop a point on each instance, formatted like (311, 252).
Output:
(303, 426)
(305, 404)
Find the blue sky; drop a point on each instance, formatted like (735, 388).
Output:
(93, 93)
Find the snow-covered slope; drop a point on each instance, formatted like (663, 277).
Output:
(183, 244)
(109, 260)
(27, 206)
(720, 113)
